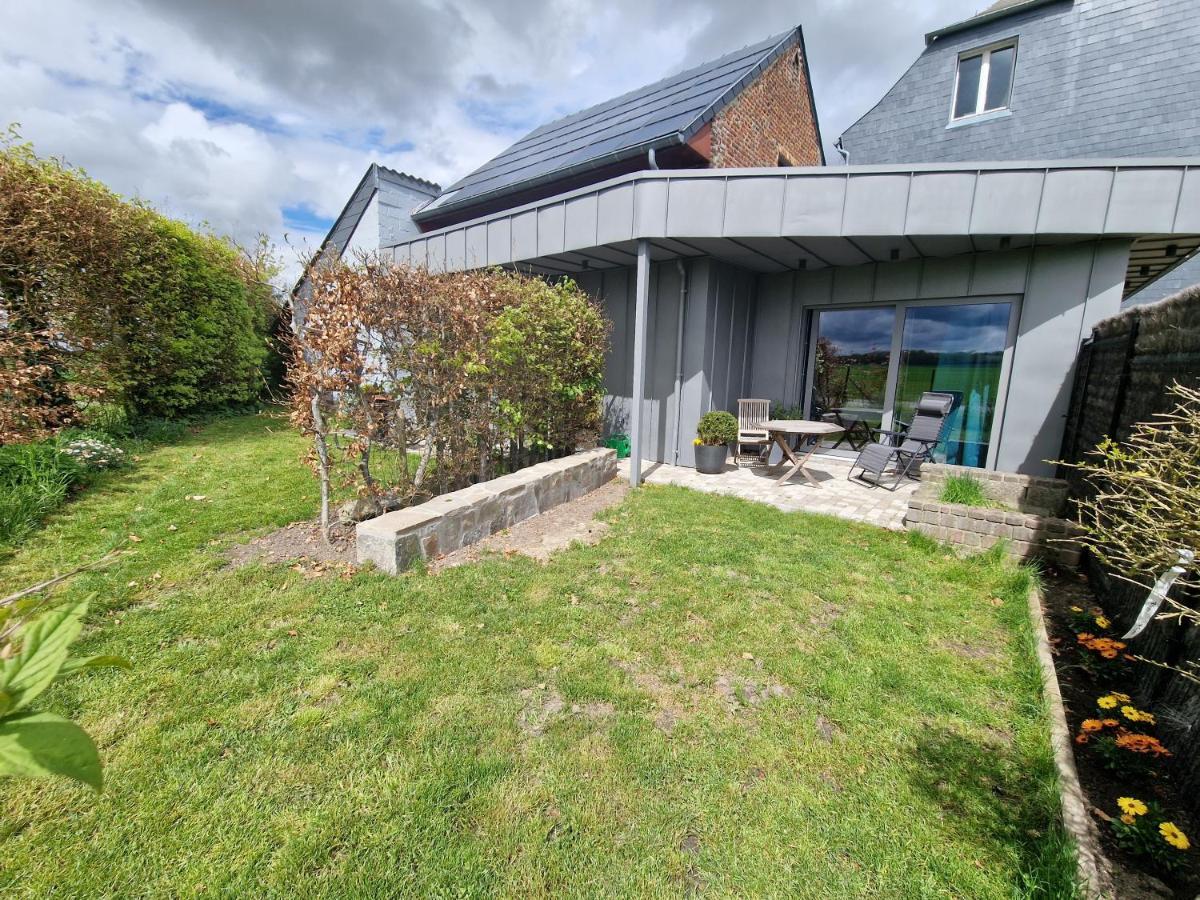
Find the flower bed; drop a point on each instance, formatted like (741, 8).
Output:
(1146, 831)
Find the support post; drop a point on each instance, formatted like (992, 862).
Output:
(641, 305)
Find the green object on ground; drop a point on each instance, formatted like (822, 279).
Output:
(775, 703)
(618, 442)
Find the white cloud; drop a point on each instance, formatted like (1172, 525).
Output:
(230, 112)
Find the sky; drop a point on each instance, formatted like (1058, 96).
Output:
(260, 118)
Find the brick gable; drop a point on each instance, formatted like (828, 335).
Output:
(771, 122)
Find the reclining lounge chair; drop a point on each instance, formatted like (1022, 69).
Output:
(907, 447)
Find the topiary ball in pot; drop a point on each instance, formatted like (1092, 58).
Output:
(715, 431)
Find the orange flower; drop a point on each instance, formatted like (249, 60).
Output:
(1109, 723)
(1127, 819)
(1091, 725)
(1084, 637)
(1081, 738)
(1142, 743)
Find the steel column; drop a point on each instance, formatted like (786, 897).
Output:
(640, 309)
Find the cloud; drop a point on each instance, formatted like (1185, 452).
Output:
(257, 117)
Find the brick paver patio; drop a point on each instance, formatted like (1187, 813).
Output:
(836, 496)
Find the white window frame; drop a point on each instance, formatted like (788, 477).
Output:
(984, 75)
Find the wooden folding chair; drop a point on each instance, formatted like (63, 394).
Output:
(753, 441)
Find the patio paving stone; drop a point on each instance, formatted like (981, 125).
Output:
(836, 496)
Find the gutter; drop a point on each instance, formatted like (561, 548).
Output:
(985, 18)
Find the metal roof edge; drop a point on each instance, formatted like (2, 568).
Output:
(986, 17)
(421, 184)
(1192, 162)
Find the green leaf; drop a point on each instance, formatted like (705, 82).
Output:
(41, 745)
(45, 643)
(94, 662)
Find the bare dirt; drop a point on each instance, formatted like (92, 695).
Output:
(298, 542)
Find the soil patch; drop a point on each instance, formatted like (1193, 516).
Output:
(547, 533)
(538, 537)
(298, 541)
(1070, 607)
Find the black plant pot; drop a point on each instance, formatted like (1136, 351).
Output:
(710, 460)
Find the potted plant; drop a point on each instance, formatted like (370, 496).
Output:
(715, 431)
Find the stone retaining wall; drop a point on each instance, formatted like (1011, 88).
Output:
(395, 540)
(1030, 523)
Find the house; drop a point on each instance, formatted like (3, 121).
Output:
(844, 290)
(378, 214)
(1055, 80)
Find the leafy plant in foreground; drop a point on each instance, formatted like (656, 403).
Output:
(37, 744)
(716, 428)
(1143, 829)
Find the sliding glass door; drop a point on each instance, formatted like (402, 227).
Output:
(870, 365)
(852, 354)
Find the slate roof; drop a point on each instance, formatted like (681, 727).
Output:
(344, 225)
(666, 113)
(997, 10)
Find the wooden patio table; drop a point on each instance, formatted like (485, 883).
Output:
(809, 436)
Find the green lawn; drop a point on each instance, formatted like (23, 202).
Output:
(854, 713)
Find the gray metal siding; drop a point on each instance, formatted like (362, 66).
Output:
(717, 331)
(1064, 290)
(1094, 78)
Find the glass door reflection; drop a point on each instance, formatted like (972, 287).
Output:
(957, 350)
(851, 362)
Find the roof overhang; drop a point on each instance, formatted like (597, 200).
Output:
(989, 16)
(775, 220)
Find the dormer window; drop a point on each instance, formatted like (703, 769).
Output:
(984, 80)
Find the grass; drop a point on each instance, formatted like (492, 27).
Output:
(966, 491)
(491, 730)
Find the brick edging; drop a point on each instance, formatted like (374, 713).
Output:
(1093, 865)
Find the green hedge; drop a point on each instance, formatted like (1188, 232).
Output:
(103, 300)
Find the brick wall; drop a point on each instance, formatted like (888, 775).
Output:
(772, 117)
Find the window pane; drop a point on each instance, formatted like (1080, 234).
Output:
(850, 372)
(1000, 72)
(958, 350)
(968, 86)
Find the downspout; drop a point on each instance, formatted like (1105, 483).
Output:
(683, 291)
(842, 150)
(651, 160)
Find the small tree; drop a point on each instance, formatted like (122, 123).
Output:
(1146, 502)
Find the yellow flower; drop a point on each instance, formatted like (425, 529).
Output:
(697, 442)
(1133, 714)
(1076, 609)
(1173, 836)
(1124, 698)
(1132, 806)
(1103, 621)
(1127, 819)
(1108, 701)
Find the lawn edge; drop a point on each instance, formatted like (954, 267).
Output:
(1092, 864)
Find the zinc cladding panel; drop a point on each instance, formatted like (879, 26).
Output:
(650, 208)
(524, 235)
(813, 206)
(753, 206)
(1143, 200)
(499, 242)
(614, 215)
(940, 203)
(1006, 202)
(876, 204)
(1074, 201)
(456, 250)
(477, 241)
(1187, 217)
(695, 207)
(551, 221)
(435, 253)
(580, 226)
